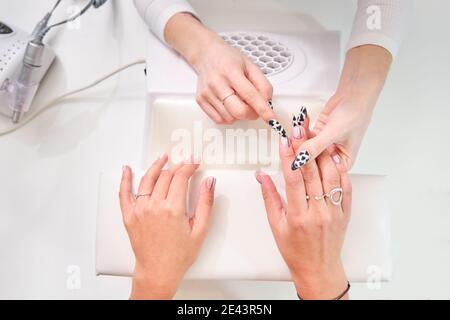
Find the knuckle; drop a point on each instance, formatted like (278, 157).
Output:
(292, 180)
(333, 180)
(233, 72)
(325, 221)
(249, 95)
(128, 221)
(309, 174)
(240, 113)
(266, 195)
(219, 121)
(200, 96)
(199, 99)
(209, 200)
(301, 223)
(214, 83)
(168, 208)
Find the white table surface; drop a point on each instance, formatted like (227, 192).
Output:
(49, 169)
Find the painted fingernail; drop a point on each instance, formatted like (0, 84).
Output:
(278, 128)
(301, 159)
(299, 119)
(159, 158)
(196, 159)
(285, 142)
(258, 176)
(297, 132)
(336, 159)
(211, 183)
(270, 104)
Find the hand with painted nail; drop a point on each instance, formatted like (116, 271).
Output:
(230, 87)
(341, 126)
(164, 238)
(310, 228)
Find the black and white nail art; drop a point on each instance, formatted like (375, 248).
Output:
(300, 118)
(301, 159)
(270, 104)
(278, 128)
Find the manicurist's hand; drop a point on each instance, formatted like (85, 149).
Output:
(343, 121)
(230, 87)
(165, 240)
(310, 233)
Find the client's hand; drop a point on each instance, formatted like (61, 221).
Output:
(165, 240)
(310, 233)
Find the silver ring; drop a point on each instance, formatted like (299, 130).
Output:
(231, 94)
(331, 195)
(136, 196)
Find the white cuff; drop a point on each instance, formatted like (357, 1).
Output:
(380, 22)
(156, 13)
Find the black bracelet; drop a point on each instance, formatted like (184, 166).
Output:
(339, 297)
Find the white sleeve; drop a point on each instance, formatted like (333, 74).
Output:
(156, 13)
(380, 22)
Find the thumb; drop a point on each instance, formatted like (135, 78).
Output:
(313, 147)
(204, 207)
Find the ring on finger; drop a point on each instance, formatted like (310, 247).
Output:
(335, 196)
(137, 196)
(231, 94)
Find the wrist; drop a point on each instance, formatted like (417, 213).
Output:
(145, 287)
(322, 283)
(364, 73)
(189, 37)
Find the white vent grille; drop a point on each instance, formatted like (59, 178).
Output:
(269, 55)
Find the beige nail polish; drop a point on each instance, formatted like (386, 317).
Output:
(336, 159)
(285, 142)
(297, 132)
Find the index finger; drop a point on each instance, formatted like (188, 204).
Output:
(180, 182)
(252, 97)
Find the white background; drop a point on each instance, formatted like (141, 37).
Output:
(49, 169)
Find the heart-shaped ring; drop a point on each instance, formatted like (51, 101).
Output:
(335, 196)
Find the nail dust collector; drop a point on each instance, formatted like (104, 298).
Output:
(304, 70)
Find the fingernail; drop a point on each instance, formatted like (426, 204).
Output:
(336, 159)
(211, 183)
(297, 132)
(299, 120)
(301, 159)
(192, 160)
(270, 104)
(258, 177)
(160, 157)
(285, 142)
(124, 168)
(277, 127)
